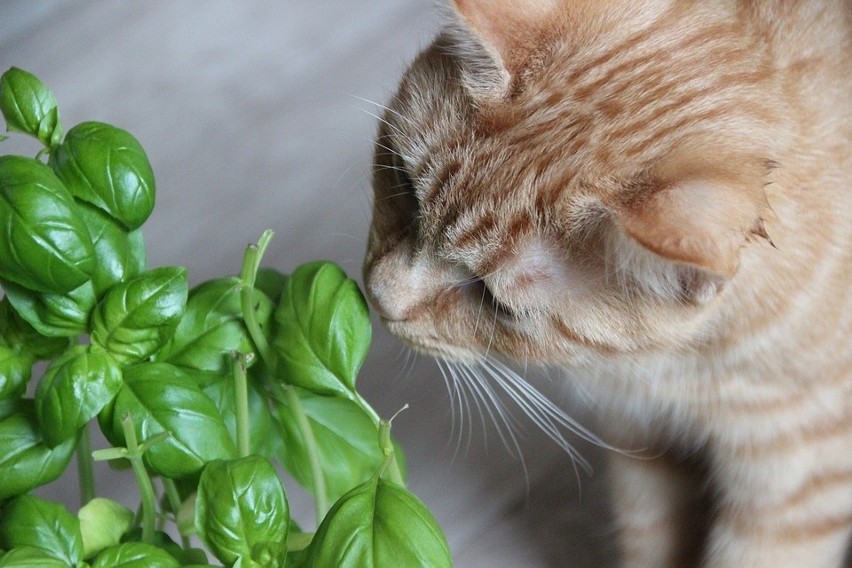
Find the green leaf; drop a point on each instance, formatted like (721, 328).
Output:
(102, 524)
(162, 398)
(271, 282)
(10, 406)
(107, 167)
(264, 430)
(121, 253)
(25, 462)
(45, 246)
(135, 555)
(17, 334)
(75, 387)
(378, 525)
(322, 330)
(346, 439)
(15, 373)
(34, 522)
(241, 507)
(30, 557)
(54, 315)
(137, 317)
(186, 557)
(212, 327)
(29, 106)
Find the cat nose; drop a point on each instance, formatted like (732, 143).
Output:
(388, 282)
(383, 302)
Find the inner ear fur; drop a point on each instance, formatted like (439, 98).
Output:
(697, 222)
(493, 39)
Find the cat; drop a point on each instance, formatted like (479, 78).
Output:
(654, 196)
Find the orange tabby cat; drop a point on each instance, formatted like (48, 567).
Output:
(656, 196)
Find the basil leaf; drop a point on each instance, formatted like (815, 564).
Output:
(346, 442)
(212, 327)
(102, 524)
(107, 167)
(162, 398)
(264, 430)
(135, 555)
(30, 557)
(378, 525)
(34, 522)
(54, 315)
(137, 317)
(240, 507)
(29, 106)
(121, 253)
(15, 373)
(75, 387)
(271, 282)
(22, 338)
(10, 406)
(46, 247)
(322, 329)
(188, 557)
(25, 462)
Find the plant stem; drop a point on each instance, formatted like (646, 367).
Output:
(390, 466)
(251, 263)
(241, 410)
(173, 497)
(320, 491)
(393, 470)
(85, 468)
(248, 275)
(143, 480)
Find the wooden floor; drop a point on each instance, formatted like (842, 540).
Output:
(256, 115)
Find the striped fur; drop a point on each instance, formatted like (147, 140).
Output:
(656, 197)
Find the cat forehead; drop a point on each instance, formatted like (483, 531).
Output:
(487, 241)
(610, 100)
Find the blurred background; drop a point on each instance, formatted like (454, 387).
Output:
(259, 114)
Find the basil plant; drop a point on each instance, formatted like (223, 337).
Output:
(204, 394)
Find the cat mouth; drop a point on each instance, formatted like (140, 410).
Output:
(431, 345)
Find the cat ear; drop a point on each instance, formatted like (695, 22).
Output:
(492, 38)
(698, 227)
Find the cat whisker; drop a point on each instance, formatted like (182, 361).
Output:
(479, 311)
(383, 168)
(491, 335)
(397, 130)
(410, 363)
(478, 399)
(539, 409)
(393, 195)
(451, 393)
(385, 108)
(459, 393)
(503, 419)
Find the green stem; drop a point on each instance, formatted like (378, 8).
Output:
(173, 497)
(146, 488)
(390, 465)
(85, 469)
(241, 409)
(321, 501)
(251, 264)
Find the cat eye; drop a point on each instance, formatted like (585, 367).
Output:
(404, 183)
(500, 308)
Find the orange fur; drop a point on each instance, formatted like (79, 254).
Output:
(655, 196)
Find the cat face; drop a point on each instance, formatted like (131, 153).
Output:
(562, 183)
